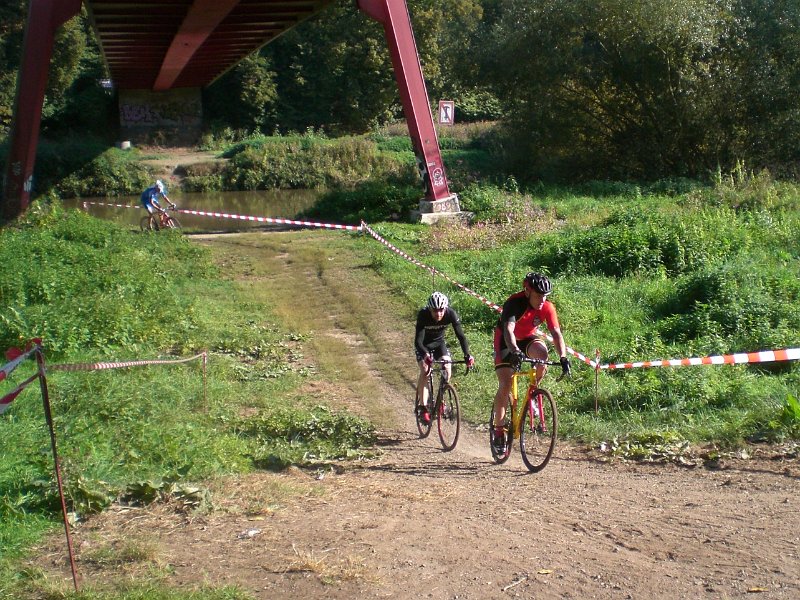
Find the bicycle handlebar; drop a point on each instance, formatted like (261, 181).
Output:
(537, 361)
(443, 362)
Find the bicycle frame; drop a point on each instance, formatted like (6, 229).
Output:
(160, 219)
(534, 423)
(517, 415)
(439, 367)
(444, 406)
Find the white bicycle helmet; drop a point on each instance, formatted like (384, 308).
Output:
(159, 186)
(438, 300)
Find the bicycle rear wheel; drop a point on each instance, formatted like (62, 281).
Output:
(501, 457)
(146, 224)
(424, 426)
(448, 417)
(537, 437)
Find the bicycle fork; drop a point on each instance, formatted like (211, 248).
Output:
(535, 408)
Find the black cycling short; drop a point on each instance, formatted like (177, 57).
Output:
(437, 350)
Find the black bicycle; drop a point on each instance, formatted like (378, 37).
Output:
(446, 408)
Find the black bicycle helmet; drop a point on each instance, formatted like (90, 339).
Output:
(539, 283)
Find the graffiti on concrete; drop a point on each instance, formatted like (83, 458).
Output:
(141, 109)
(171, 114)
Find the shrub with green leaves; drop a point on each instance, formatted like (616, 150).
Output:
(112, 173)
(371, 202)
(305, 436)
(635, 241)
(307, 162)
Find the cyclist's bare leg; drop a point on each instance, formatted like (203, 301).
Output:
(537, 349)
(154, 219)
(422, 382)
(503, 393)
(447, 367)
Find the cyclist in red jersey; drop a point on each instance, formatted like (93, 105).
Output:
(517, 335)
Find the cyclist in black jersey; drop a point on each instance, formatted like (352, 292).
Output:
(429, 342)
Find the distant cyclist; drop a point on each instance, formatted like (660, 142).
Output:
(149, 198)
(517, 335)
(430, 345)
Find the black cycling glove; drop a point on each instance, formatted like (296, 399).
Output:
(515, 359)
(565, 367)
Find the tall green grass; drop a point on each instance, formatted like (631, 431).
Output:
(96, 292)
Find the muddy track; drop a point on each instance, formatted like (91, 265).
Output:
(420, 523)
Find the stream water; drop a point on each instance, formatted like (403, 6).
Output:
(283, 204)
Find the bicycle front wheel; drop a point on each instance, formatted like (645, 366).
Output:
(423, 421)
(501, 451)
(448, 417)
(537, 437)
(172, 223)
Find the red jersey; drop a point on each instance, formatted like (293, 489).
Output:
(518, 310)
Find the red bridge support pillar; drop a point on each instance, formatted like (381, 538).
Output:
(44, 18)
(393, 15)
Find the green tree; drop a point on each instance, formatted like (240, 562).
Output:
(12, 27)
(766, 77)
(245, 97)
(73, 97)
(333, 71)
(645, 89)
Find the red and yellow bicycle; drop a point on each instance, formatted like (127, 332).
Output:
(535, 423)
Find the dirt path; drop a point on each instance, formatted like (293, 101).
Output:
(421, 523)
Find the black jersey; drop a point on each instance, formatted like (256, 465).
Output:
(430, 332)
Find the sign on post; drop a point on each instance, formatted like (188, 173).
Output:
(447, 110)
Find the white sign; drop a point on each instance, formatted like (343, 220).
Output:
(447, 110)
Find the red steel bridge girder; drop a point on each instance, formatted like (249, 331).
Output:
(393, 15)
(44, 18)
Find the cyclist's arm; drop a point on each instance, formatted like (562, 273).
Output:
(553, 326)
(462, 339)
(508, 334)
(419, 336)
(558, 341)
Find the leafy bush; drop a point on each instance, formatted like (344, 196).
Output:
(305, 437)
(634, 241)
(112, 173)
(309, 163)
(739, 302)
(371, 202)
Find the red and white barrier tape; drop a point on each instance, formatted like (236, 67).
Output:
(7, 368)
(462, 287)
(18, 357)
(250, 218)
(87, 203)
(763, 356)
(119, 365)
